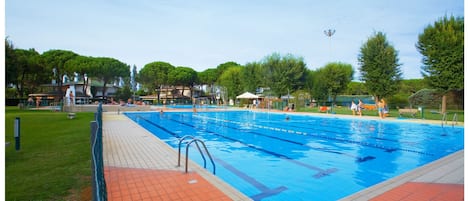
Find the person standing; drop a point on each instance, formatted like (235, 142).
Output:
(70, 96)
(353, 107)
(359, 107)
(381, 108)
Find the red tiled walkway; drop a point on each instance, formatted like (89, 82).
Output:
(148, 184)
(412, 191)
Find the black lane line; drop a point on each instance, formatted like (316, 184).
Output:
(357, 158)
(160, 127)
(385, 148)
(265, 191)
(320, 173)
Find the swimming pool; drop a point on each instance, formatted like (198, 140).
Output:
(273, 156)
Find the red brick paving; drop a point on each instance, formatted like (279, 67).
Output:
(413, 191)
(149, 184)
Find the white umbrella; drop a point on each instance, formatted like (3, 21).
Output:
(247, 95)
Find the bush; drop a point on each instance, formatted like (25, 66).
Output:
(429, 98)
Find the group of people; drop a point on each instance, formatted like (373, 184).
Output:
(357, 108)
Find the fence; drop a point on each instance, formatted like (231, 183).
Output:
(97, 165)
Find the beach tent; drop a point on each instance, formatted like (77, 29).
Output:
(247, 95)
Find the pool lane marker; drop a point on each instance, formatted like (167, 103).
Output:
(265, 191)
(160, 127)
(321, 172)
(385, 148)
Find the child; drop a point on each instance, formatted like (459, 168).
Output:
(353, 107)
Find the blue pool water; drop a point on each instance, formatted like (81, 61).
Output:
(268, 156)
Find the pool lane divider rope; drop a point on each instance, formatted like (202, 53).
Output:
(385, 148)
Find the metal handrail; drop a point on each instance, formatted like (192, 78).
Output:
(444, 119)
(179, 147)
(206, 151)
(455, 119)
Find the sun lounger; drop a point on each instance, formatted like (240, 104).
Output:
(412, 112)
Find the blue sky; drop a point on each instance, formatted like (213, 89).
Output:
(203, 34)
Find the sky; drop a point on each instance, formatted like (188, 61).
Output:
(203, 34)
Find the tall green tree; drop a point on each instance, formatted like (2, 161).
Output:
(252, 76)
(29, 71)
(231, 81)
(109, 70)
(335, 78)
(224, 66)
(356, 88)
(133, 81)
(82, 65)
(10, 62)
(379, 66)
(283, 74)
(183, 76)
(155, 75)
(317, 87)
(442, 48)
(55, 62)
(208, 77)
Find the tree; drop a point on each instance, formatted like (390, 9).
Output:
(208, 76)
(285, 73)
(335, 78)
(252, 76)
(224, 66)
(55, 62)
(10, 62)
(27, 71)
(155, 75)
(133, 80)
(82, 65)
(231, 80)
(379, 66)
(356, 88)
(109, 69)
(183, 76)
(442, 48)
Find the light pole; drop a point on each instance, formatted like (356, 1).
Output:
(329, 33)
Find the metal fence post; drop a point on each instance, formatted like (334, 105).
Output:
(17, 133)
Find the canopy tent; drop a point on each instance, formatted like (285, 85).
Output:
(247, 95)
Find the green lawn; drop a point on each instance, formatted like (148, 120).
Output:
(429, 114)
(54, 162)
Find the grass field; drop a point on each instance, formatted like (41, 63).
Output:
(54, 162)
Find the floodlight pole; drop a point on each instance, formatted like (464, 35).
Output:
(329, 33)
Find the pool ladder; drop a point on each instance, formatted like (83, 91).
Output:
(196, 141)
(444, 119)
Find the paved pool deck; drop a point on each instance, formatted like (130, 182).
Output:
(139, 166)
